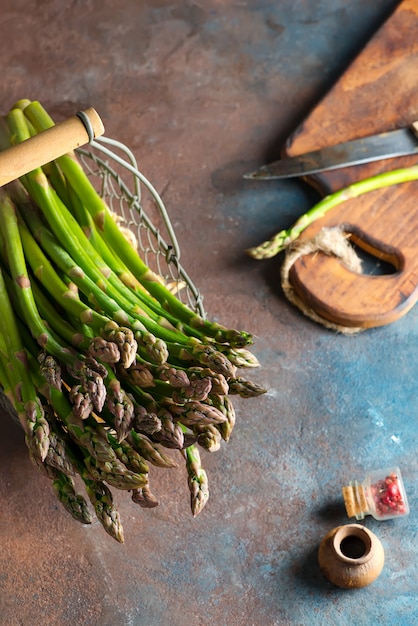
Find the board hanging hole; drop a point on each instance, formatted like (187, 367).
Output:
(375, 261)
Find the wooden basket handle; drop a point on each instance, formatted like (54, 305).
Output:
(50, 144)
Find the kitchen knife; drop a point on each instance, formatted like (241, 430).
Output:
(395, 143)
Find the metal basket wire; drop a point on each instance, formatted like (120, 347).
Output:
(117, 178)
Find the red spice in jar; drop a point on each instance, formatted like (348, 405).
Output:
(387, 496)
(381, 495)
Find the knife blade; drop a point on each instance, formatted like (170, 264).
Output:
(395, 143)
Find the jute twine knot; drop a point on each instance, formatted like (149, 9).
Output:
(330, 241)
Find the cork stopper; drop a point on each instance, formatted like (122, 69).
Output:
(355, 500)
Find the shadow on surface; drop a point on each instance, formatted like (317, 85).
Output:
(353, 45)
(333, 513)
(11, 439)
(307, 572)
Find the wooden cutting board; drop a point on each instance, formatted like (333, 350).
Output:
(378, 92)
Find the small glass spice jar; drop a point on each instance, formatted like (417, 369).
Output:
(381, 494)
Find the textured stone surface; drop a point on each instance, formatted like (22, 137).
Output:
(203, 92)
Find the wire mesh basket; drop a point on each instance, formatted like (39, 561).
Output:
(138, 207)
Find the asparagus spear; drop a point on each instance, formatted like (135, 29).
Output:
(5, 383)
(14, 358)
(58, 455)
(226, 408)
(101, 498)
(11, 240)
(128, 456)
(144, 497)
(197, 480)
(245, 388)
(73, 502)
(208, 436)
(284, 238)
(149, 450)
(65, 296)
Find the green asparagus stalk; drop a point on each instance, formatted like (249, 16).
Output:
(226, 408)
(128, 456)
(14, 358)
(245, 388)
(85, 220)
(144, 497)
(5, 381)
(150, 306)
(16, 123)
(58, 455)
(208, 436)
(10, 236)
(57, 181)
(284, 238)
(101, 498)
(219, 384)
(73, 502)
(170, 435)
(66, 297)
(149, 450)
(93, 291)
(66, 331)
(197, 480)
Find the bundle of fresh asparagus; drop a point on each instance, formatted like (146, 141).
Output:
(107, 370)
